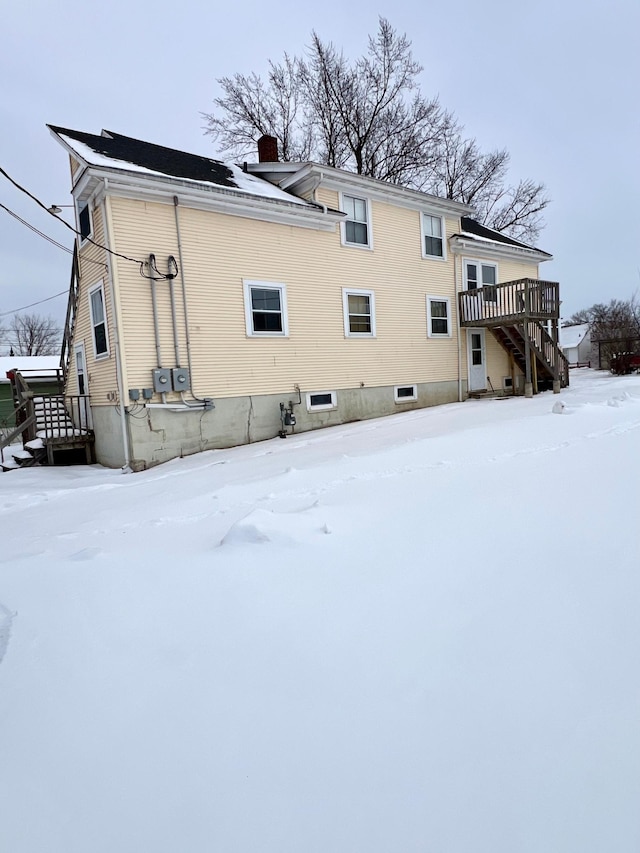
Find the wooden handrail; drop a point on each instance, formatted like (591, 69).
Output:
(26, 424)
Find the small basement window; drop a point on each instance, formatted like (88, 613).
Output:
(318, 401)
(405, 393)
(507, 382)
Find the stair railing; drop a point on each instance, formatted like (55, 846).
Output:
(26, 426)
(545, 348)
(70, 321)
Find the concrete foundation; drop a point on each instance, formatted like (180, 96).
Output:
(160, 433)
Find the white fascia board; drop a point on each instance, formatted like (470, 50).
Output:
(218, 199)
(485, 249)
(73, 153)
(392, 194)
(281, 174)
(342, 180)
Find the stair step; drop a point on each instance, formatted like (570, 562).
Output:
(19, 455)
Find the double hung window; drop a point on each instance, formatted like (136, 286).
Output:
(99, 321)
(432, 236)
(356, 225)
(359, 313)
(438, 317)
(265, 306)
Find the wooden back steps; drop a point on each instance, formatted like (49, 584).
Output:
(518, 313)
(48, 427)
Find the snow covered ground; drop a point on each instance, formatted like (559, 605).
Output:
(418, 633)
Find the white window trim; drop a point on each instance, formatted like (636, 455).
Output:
(81, 206)
(430, 333)
(368, 246)
(409, 399)
(248, 284)
(107, 354)
(443, 226)
(323, 406)
(479, 264)
(346, 292)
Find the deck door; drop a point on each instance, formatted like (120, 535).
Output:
(477, 360)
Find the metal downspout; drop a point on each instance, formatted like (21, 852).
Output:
(208, 403)
(116, 335)
(456, 280)
(174, 321)
(319, 180)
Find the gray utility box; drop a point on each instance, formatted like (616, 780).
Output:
(181, 379)
(161, 380)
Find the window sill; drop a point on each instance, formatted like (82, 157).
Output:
(362, 246)
(438, 258)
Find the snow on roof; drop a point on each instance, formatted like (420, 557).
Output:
(115, 151)
(46, 365)
(473, 230)
(572, 336)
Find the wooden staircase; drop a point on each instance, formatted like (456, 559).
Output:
(517, 314)
(47, 426)
(543, 353)
(32, 453)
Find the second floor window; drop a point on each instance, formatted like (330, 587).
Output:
(84, 222)
(432, 240)
(99, 322)
(356, 226)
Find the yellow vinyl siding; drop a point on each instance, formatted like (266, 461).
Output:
(513, 270)
(101, 372)
(497, 362)
(75, 167)
(220, 251)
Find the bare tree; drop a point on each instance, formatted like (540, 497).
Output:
(369, 116)
(31, 334)
(614, 327)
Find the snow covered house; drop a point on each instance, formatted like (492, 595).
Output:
(576, 344)
(215, 305)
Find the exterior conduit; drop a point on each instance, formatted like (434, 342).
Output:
(116, 337)
(174, 321)
(202, 402)
(156, 327)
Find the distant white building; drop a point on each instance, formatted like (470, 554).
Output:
(575, 342)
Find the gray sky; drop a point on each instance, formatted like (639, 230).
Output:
(555, 82)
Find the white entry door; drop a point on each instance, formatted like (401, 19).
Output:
(476, 356)
(81, 414)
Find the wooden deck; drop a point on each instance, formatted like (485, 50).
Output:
(519, 314)
(509, 303)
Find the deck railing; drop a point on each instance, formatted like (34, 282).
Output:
(513, 301)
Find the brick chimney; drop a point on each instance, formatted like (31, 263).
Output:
(267, 149)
